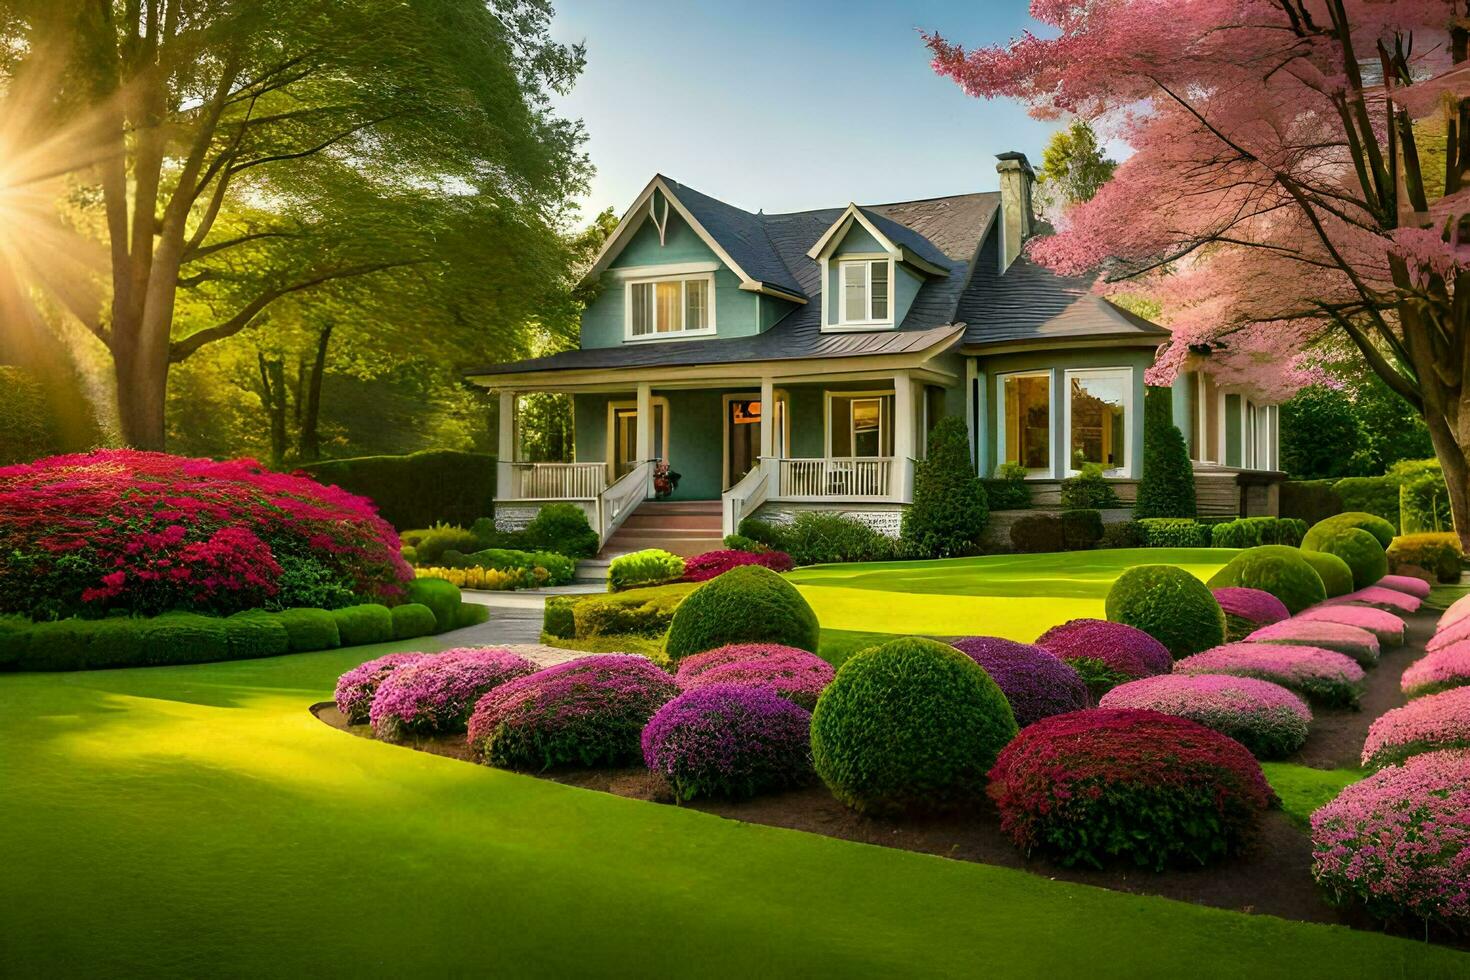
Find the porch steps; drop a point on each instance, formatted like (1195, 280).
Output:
(684, 527)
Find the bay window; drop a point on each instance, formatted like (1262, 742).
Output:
(1099, 406)
(657, 307)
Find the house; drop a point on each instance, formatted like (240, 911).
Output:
(781, 362)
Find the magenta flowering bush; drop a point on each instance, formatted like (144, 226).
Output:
(1435, 721)
(1457, 612)
(1036, 683)
(1248, 609)
(1456, 632)
(795, 674)
(1321, 676)
(1438, 671)
(355, 689)
(1264, 717)
(1383, 624)
(711, 564)
(1399, 842)
(1357, 643)
(585, 712)
(729, 740)
(1106, 654)
(1376, 595)
(1416, 587)
(435, 695)
(140, 532)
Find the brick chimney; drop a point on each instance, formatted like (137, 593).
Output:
(1017, 222)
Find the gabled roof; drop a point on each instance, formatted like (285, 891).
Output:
(890, 235)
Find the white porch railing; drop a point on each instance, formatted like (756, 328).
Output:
(746, 496)
(845, 477)
(621, 499)
(557, 481)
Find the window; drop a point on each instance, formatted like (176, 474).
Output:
(1026, 421)
(863, 291)
(860, 424)
(1099, 403)
(670, 306)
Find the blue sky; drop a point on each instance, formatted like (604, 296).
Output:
(788, 105)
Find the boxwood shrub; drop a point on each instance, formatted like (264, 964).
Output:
(256, 633)
(412, 619)
(310, 629)
(441, 596)
(1374, 495)
(1438, 554)
(749, 604)
(652, 566)
(1038, 534)
(640, 612)
(1174, 532)
(367, 623)
(1373, 524)
(1336, 576)
(1081, 529)
(1123, 534)
(1170, 605)
(912, 725)
(418, 489)
(1277, 569)
(1359, 549)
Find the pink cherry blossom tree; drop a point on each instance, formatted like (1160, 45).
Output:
(1299, 167)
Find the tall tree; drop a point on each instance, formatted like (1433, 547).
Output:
(1300, 167)
(1073, 167)
(355, 134)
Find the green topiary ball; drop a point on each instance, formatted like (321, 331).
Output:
(749, 604)
(1170, 605)
(1360, 550)
(310, 629)
(441, 596)
(1377, 526)
(912, 725)
(1337, 577)
(1275, 568)
(412, 619)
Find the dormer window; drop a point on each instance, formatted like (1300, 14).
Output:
(864, 291)
(670, 306)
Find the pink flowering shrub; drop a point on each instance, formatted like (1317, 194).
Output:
(1376, 595)
(1264, 717)
(1035, 682)
(1106, 654)
(585, 712)
(1321, 676)
(1438, 671)
(796, 675)
(702, 568)
(1357, 643)
(729, 740)
(121, 530)
(1457, 612)
(1399, 841)
(435, 695)
(355, 689)
(1248, 609)
(1383, 624)
(1435, 721)
(1415, 587)
(1445, 636)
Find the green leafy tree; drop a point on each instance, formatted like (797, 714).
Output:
(1073, 167)
(950, 508)
(1167, 486)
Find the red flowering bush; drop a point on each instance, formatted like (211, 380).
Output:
(702, 568)
(1105, 783)
(118, 529)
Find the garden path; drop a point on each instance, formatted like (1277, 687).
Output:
(515, 618)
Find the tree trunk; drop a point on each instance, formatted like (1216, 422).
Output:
(310, 444)
(273, 388)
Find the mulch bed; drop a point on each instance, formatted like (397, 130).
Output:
(1273, 876)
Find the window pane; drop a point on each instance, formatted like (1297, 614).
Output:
(880, 290)
(867, 427)
(642, 308)
(696, 304)
(855, 290)
(1098, 423)
(1027, 410)
(668, 303)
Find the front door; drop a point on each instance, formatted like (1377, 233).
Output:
(743, 435)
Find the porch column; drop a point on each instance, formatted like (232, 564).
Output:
(768, 417)
(645, 430)
(505, 453)
(903, 433)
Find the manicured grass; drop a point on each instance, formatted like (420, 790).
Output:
(1303, 790)
(198, 821)
(1014, 596)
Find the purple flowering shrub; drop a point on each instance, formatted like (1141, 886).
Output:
(1416, 587)
(1435, 721)
(1264, 717)
(355, 689)
(1357, 643)
(794, 674)
(1399, 841)
(1036, 683)
(1385, 625)
(1376, 595)
(1321, 676)
(434, 695)
(1106, 654)
(585, 712)
(1438, 671)
(729, 740)
(1248, 609)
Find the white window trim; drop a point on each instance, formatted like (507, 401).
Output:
(867, 259)
(828, 397)
(657, 401)
(1045, 473)
(630, 338)
(1118, 472)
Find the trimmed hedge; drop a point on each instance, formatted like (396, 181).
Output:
(749, 604)
(950, 507)
(912, 725)
(1167, 486)
(1277, 569)
(1007, 493)
(419, 489)
(1376, 495)
(1174, 532)
(1438, 554)
(1081, 529)
(651, 566)
(1309, 500)
(1248, 532)
(1374, 525)
(1360, 550)
(412, 619)
(1336, 576)
(310, 629)
(1088, 489)
(1170, 605)
(1123, 534)
(255, 633)
(367, 623)
(640, 612)
(1038, 534)
(822, 538)
(441, 596)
